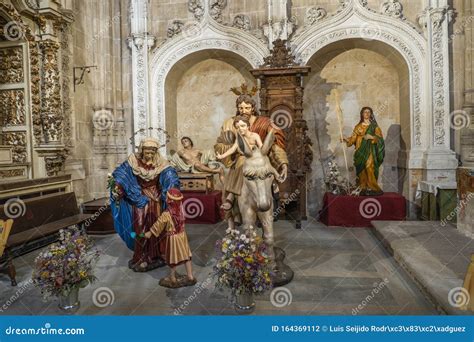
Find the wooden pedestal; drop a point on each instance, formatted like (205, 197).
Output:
(101, 222)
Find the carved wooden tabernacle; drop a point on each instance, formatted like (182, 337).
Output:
(281, 98)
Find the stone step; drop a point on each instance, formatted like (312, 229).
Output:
(435, 256)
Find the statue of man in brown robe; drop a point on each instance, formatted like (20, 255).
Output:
(262, 125)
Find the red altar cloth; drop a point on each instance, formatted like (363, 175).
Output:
(200, 207)
(359, 211)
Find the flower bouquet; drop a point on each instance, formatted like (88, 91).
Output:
(65, 266)
(114, 188)
(244, 266)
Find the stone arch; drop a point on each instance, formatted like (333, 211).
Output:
(356, 21)
(210, 36)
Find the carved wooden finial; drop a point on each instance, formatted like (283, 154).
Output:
(280, 56)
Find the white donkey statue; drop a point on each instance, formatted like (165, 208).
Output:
(256, 201)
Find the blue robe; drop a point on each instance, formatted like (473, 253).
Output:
(123, 213)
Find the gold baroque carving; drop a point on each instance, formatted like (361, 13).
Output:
(11, 65)
(51, 118)
(18, 142)
(12, 107)
(10, 173)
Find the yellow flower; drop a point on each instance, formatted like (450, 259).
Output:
(82, 274)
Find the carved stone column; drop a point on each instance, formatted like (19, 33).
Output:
(467, 136)
(465, 217)
(279, 25)
(140, 42)
(439, 161)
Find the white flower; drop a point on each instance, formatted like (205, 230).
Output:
(228, 230)
(242, 237)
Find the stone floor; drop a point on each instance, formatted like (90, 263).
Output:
(338, 271)
(436, 256)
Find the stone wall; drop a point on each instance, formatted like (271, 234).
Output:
(363, 78)
(101, 109)
(102, 105)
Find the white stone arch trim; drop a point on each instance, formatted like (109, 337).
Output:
(357, 21)
(210, 36)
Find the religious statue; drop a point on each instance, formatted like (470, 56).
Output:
(174, 246)
(249, 185)
(193, 160)
(242, 124)
(261, 125)
(138, 190)
(369, 152)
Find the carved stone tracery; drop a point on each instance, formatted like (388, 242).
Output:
(216, 8)
(242, 21)
(315, 14)
(392, 8)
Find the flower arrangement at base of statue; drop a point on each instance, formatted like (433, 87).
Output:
(243, 267)
(335, 182)
(66, 266)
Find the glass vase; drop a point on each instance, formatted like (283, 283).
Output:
(244, 303)
(70, 303)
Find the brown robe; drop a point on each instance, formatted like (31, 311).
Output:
(174, 245)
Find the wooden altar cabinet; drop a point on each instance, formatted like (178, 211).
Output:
(281, 99)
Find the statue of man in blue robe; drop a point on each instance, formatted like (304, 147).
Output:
(138, 190)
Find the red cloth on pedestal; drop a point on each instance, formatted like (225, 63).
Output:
(359, 211)
(200, 207)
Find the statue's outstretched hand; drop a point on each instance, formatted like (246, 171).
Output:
(283, 173)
